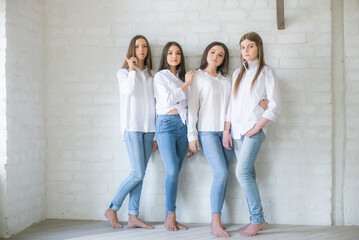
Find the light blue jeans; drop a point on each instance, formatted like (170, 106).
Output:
(219, 158)
(171, 135)
(246, 150)
(139, 147)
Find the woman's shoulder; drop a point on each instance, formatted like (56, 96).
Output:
(199, 73)
(268, 70)
(236, 73)
(123, 72)
(153, 73)
(161, 75)
(226, 78)
(162, 72)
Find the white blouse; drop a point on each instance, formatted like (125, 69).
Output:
(207, 103)
(137, 100)
(243, 111)
(169, 95)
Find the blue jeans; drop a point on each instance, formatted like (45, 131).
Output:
(171, 135)
(139, 147)
(246, 150)
(219, 158)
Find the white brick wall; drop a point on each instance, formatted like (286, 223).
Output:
(25, 114)
(351, 177)
(86, 159)
(3, 224)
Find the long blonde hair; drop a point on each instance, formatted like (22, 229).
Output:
(251, 36)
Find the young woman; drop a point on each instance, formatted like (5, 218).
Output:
(254, 81)
(138, 125)
(171, 85)
(207, 105)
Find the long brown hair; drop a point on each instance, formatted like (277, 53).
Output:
(223, 68)
(254, 37)
(164, 64)
(131, 52)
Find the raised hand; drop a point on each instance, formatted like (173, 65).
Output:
(189, 77)
(132, 62)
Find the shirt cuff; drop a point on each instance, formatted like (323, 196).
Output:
(270, 116)
(131, 74)
(192, 137)
(227, 118)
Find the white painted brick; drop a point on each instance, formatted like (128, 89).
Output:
(104, 30)
(294, 63)
(26, 110)
(206, 27)
(292, 38)
(171, 17)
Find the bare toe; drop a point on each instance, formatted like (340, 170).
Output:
(181, 226)
(135, 222)
(111, 215)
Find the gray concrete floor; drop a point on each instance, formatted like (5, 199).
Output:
(101, 230)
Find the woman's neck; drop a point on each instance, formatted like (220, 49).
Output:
(211, 70)
(250, 62)
(141, 65)
(173, 70)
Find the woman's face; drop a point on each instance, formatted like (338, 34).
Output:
(141, 49)
(173, 56)
(215, 56)
(249, 50)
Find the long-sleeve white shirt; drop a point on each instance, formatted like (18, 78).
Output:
(169, 95)
(243, 111)
(207, 103)
(137, 100)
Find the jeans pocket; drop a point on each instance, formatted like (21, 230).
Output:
(165, 122)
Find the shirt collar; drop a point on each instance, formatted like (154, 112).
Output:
(252, 67)
(140, 69)
(167, 71)
(219, 75)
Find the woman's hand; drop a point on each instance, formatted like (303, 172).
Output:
(257, 127)
(253, 131)
(132, 62)
(189, 77)
(263, 104)
(227, 140)
(194, 146)
(155, 146)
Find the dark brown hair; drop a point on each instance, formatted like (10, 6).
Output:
(164, 64)
(131, 52)
(251, 36)
(223, 68)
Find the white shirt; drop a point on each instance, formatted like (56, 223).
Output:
(243, 111)
(137, 100)
(169, 95)
(207, 103)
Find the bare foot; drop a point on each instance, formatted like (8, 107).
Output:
(218, 231)
(252, 229)
(135, 222)
(111, 215)
(181, 226)
(243, 228)
(171, 223)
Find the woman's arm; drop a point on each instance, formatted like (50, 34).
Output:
(161, 88)
(227, 138)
